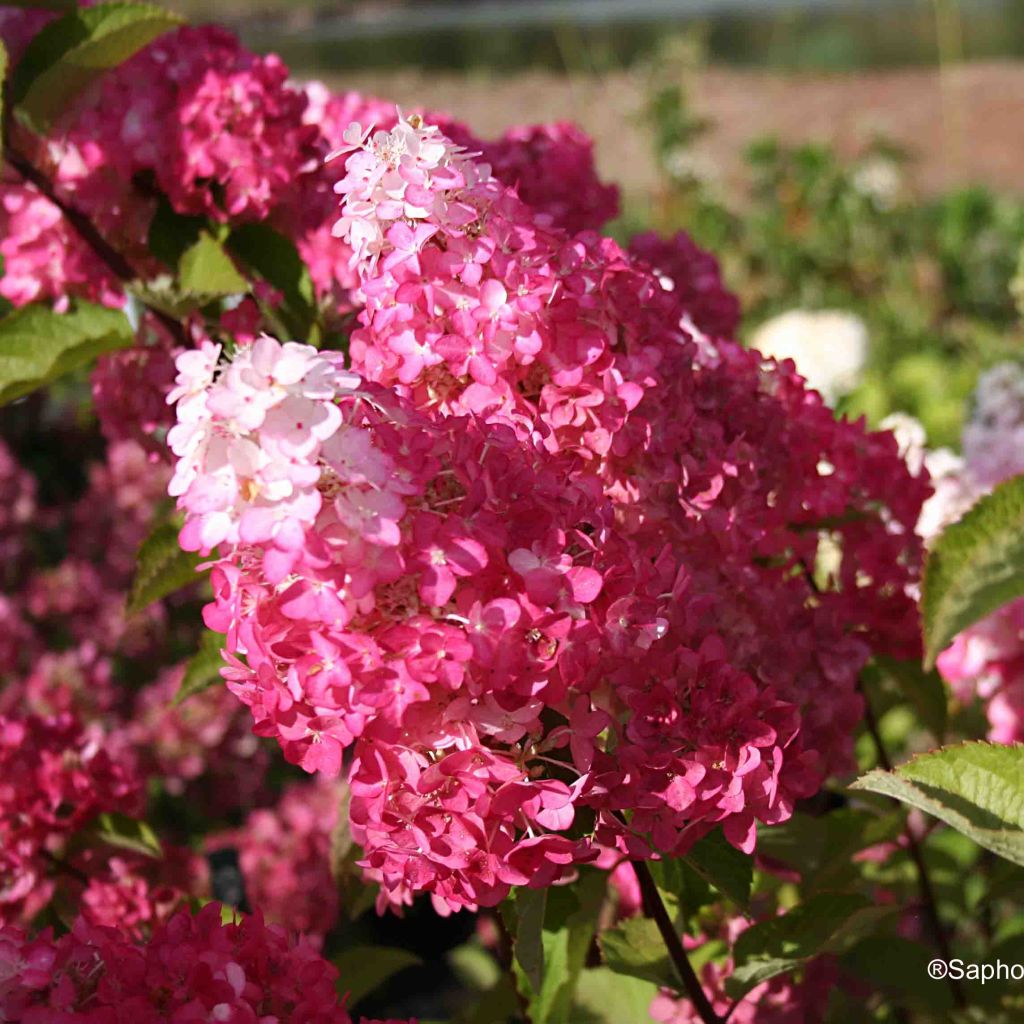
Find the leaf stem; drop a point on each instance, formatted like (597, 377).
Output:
(929, 902)
(654, 908)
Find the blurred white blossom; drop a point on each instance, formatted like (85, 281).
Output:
(829, 347)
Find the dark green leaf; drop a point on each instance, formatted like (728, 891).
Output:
(720, 864)
(274, 258)
(206, 269)
(66, 55)
(975, 567)
(780, 944)
(203, 669)
(682, 889)
(977, 788)
(923, 689)
(38, 345)
(567, 932)
(172, 234)
(361, 969)
(162, 567)
(529, 937)
(636, 948)
(899, 968)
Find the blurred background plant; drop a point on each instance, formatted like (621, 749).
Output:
(841, 157)
(928, 277)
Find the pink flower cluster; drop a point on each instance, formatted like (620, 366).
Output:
(192, 969)
(986, 660)
(285, 856)
(551, 168)
(549, 564)
(55, 777)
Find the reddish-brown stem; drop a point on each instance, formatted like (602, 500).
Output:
(654, 908)
(115, 261)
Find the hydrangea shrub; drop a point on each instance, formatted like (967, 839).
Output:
(412, 547)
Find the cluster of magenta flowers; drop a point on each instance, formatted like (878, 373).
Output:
(542, 552)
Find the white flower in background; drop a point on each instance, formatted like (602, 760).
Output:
(829, 347)
(953, 495)
(881, 179)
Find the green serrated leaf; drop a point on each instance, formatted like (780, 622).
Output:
(780, 944)
(206, 269)
(272, 256)
(976, 788)
(127, 834)
(203, 668)
(68, 54)
(975, 567)
(720, 864)
(38, 345)
(635, 948)
(361, 969)
(161, 567)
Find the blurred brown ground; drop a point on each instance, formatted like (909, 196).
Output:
(963, 124)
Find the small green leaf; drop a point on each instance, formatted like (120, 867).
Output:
(636, 948)
(975, 567)
(977, 788)
(127, 834)
(720, 864)
(38, 345)
(203, 669)
(68, 54)
(272, 256)
(230, 915)
(780, 944)
(206, 269)
(161, 567)
(361, 969)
